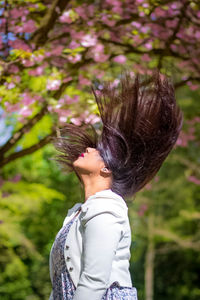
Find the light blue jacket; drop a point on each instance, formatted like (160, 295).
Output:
(97, 247)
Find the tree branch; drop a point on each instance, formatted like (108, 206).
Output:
(18, 134)
(40, 35)
(182, 242)
(29, 150)
(183, 82)
(30, 123)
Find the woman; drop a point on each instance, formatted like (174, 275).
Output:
(140, 125)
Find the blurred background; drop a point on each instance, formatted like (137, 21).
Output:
(50, 54)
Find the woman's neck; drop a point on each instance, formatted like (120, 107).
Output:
(92, 189)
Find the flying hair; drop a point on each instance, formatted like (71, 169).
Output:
(141, 122)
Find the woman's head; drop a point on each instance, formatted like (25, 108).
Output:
(140, 125)
(91, 163)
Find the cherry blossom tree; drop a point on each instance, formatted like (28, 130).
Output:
(51, 51)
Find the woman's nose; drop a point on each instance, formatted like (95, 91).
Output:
(88, 149)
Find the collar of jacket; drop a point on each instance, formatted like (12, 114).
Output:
(104, 194)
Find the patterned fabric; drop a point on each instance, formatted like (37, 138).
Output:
(63, 286)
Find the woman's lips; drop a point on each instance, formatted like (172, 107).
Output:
(82, 155)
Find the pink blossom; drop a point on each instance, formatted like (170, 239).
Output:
(142, 209)
(27, 99)
(4, 194)
(37, 71)
(29, 26)
(68, 100)
(38, 58)
(156, 178)
(53, 84)
(13, 69)
(74, 45)
(11, 107)
(23, 19)
(21, 119)
(118, 10)
(171, 23)
(19, 44)
(196, 120)
(115, 82)
(11, 85)
(185, 137)
(83, 80)
(62, 119)
(107, 21)
(1, 42)
(148, 186)
(180, 35)
(85, 117)
(39, 98)
(90, 10)
(65, 18)
(141, 14)
(174, 47)
(197, 34)
(61, 111)
(144, 29)
(92, 119)
(16, 13)
(113, 2)
(16, 178)
(25, 111)
(98, 47)
(194, 180)
(17, 79)
(74, 58)
(174, 6)
(77, 35)
(160, 12)
(73, 99)
(67, 79)
(98, 74)
(192, 86)
(81, 12)
(148, 46)
(50, 108)
(28, 62)
(145, 57)
(77, 121)
(90, 23)
(121, 59)
(88, 40)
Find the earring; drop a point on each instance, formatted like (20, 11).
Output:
(104, 169)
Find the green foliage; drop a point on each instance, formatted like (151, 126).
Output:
(32, 211)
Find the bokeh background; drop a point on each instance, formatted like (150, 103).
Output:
(50, 54)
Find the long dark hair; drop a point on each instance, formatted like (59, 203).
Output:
(141, 122)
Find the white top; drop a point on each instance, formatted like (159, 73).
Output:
(98, 244)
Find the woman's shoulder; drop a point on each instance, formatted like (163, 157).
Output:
(71, 211)
(75, 207)
(105, 201)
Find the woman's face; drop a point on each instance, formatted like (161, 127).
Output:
(89, 162)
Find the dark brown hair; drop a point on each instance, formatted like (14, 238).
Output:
(141, 122)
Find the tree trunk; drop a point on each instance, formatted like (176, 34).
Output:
(149, 260)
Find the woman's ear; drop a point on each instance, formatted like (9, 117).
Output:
(105, 171)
